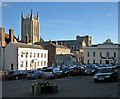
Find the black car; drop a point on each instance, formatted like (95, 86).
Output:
(76, 71)
(65, 70)
(90, 70)
(106, 74)
(15, 75)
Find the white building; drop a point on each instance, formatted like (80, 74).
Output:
(105, 53)
(20, 56)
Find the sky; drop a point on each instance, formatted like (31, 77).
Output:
(66, 20)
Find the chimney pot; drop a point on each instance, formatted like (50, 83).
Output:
(11, 35)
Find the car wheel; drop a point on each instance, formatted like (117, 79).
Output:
(95, 81)
(55, 77)
(16, 77)
(112, 79)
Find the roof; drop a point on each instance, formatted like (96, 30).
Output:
(108, 41)
(53, 44)
(94, 45)
(23, 45)
(7, 38)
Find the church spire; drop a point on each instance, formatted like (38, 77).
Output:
(31, 14)
(37, 15)
(22, 16)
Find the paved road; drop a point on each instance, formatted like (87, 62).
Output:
(74, 86)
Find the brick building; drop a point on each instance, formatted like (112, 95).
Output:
(54, 49)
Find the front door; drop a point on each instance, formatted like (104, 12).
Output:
(11, 66)
(107, 62)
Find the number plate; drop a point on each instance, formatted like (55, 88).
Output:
(100, 78)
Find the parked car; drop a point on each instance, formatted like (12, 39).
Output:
(106, 74)
(65, 71)
(35, 74)
(15, 75)
(10, 75)
(20, 74)
(76, 71)
(90, 70)
(52, 72)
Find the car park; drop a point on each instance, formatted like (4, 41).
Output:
(106, 74)
(34, 74)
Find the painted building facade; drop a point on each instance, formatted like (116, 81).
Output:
(25, 57)
(106, 53)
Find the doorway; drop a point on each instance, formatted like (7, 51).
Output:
(107, 61)
(11, 66)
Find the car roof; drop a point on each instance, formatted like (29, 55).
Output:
(105, 67)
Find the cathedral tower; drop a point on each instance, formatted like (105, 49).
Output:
(30, 27)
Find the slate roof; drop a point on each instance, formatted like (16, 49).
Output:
(23, 45)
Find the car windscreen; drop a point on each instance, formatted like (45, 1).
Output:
(106, 70)
(48, 70)
(90, 67)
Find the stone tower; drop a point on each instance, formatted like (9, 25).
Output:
(30, 27)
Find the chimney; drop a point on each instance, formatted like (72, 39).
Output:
(27, 39)
(77, 37)
(11, 35)
(56, 43)
(2, 39)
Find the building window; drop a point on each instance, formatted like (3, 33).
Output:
(38, 55)
(88, 61)
(21, 54)
(41, 63)
(93, 61)
(30, 65)
(93, 54)
(44, 55)
(88, 54)
(26, 54)
(44, 63)
(30, 54)
(75, 47)
(100, 54)
(41, 55)
(26, 63)
(34, 54)
(114, 54)
(107, 54)
(21, 63)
